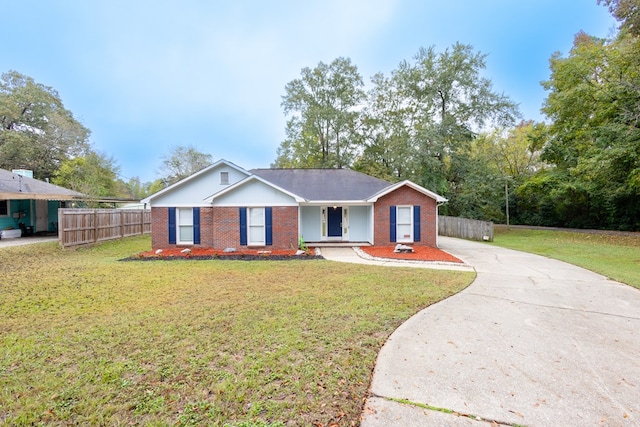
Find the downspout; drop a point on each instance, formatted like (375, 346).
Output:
(372, 226)
(299, 233)
(438, 223)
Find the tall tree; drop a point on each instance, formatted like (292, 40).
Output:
(496, 163)
(36, 131)
(182, 162)
(94, 174)
(323, 108)
(515, 154)
(420, 121)
(627, 12)
(593, 139)
(454, 103)
(478, 191)
(388, 133)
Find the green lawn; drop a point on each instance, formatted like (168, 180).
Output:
(614, 256)
(88, 339)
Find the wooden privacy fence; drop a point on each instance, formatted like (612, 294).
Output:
(86, 226)
(470, 229)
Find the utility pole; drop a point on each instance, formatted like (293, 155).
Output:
(506, 197)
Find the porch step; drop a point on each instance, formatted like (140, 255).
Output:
(337, 244)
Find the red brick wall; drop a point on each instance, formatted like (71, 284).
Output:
(220, 228)
(206, 227)
(225, 228)
(159, 228)
(285, 227)
(405, 196)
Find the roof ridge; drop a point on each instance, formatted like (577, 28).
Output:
(304, 169)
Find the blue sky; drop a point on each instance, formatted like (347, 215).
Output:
(149, 75)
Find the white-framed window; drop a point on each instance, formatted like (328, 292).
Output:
(185, 225)
(256, 226)
(4, 208)
(404, 223)
(224, 178)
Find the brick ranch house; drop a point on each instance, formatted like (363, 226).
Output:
(225, 206)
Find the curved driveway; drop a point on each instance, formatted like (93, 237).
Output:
(532, 341)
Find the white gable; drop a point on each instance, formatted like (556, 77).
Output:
(254, 192)
(193, 190)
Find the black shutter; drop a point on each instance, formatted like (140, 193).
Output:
(243, 226)
(416, 223)
(196, 226)
(392, 224)
(172, 226)
(268, 223)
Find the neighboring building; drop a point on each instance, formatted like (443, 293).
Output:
(29, 205)
(225, 206)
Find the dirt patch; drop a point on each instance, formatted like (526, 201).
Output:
(420, 253)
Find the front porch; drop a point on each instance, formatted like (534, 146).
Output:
(337, 225)
(337, 244)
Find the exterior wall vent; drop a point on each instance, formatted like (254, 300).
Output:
(23, 172)
(224, 178)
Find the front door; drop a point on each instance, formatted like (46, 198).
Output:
(42, 215)
(334, 218)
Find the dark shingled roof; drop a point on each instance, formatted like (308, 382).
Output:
(324, 184)
(14, 186)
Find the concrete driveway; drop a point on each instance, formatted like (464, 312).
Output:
(20, 241)
(532, 341)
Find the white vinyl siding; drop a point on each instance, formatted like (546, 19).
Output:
(199, 187)
(311, 223)
(258, 193)
(256, 226)
(360, 224)
(404, 224)
(185, 225)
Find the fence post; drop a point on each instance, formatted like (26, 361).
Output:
(95, 226)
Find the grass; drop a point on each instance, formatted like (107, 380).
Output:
(88, 339)
(614, 256)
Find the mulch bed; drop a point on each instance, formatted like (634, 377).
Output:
(208, 254)
(420, 253)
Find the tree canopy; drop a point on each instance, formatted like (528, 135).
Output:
(94, 175)
(437, 121)
(627, 12)
(419, 119)
(417, 123)
(592, 142)
(36, 131)
(181, 162)
(322, 105)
